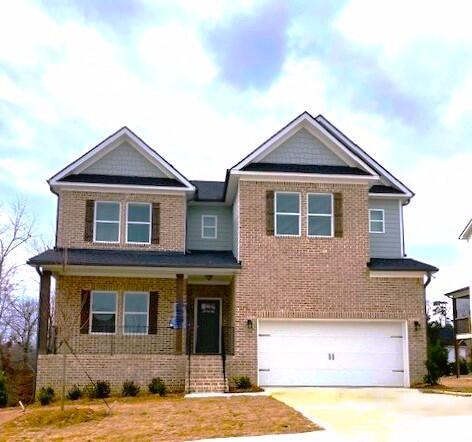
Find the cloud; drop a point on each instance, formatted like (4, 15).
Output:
(250, 48)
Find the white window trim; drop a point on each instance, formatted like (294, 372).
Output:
(308, 214)
(92, 294)
(215, 217)
(135, 313)
(105, 221)
(377, 220)
(139, 222)
(299, 214)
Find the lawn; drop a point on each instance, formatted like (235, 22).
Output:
(150, 418)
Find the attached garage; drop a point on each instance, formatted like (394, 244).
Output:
(332, 353)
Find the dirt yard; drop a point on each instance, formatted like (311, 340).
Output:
(156, 419)
(462, 384)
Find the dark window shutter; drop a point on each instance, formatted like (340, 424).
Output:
(270, 212)
(153, 303)
(89, 209)
(84, 312)
(156, 223)
(338, 215)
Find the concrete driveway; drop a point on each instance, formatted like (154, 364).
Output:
(382, 414)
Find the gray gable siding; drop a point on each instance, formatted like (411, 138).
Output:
(388, 244)
(303, 148)
(224, 240)
(124, 160)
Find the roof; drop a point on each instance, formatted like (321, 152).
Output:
(304, 168)
(121, 179)
(400, 264)
(377, 188)
(467, 232)
(135, 258)
(209, 190)
(464, 291)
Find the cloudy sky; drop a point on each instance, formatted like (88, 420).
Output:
(204, 82)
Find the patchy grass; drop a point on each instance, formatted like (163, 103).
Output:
(169, 419)
(463, 384)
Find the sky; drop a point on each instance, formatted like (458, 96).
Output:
(205, 82)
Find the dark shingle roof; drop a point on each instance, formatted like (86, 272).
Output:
(384, 189)
(209, 190)
(304, 168)
(400, 264)
(135, 258)
(120, 179)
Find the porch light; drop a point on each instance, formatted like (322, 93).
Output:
(417, 325)
(249, 324)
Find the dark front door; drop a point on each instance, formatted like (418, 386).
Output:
(208, 326)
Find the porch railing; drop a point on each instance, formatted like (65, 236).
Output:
(119, 340)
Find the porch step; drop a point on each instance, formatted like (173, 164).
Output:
(206, 374)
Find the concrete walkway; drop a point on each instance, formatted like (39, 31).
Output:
(382, 414)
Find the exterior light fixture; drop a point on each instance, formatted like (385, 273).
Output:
(417, 325)
(249, 324)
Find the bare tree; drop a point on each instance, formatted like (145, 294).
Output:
(22, 323)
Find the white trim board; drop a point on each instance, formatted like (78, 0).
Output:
(111, 143)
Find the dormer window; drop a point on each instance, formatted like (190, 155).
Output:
(209, 226)
(107, 222)
(138, 223)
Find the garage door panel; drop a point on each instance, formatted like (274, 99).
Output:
(330, 353)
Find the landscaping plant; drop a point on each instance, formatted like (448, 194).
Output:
(74, 393)
(436, 364)
(100, 390)
(46, 395)
(242, 383)
(130, 389)
(3, 390)
(157, 386)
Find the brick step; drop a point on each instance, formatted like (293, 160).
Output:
(206, 374)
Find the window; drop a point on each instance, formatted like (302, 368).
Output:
(136, 312)
(320, 214)
(138, 226)
(209, 226)
(287, 214)
(376, 221)
(107, 221)
(103, 312)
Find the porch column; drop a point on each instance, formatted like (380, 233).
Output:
(180, 298)
(44, 310)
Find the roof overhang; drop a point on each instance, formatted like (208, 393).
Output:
(120, 188)
(397, 274)
(464, 291)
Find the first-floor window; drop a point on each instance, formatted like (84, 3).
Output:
(376, 221)
(287, 213)
(103, 312)
(136, 313)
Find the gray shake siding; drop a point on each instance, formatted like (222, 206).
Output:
(388, 244)
(303, 148)
(224, 240)
(124, 160)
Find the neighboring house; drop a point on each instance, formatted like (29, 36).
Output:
(446, 336)
(292, 271)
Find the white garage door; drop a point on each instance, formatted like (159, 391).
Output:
(330, 353)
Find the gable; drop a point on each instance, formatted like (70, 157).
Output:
(303, 148)
(124, 160)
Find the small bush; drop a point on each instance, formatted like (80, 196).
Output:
(46, 395)
(242, 383)
(3, 390)
(463, 366)
(100, 390)
(157, 386)
(74, 393)
(130, 389)
(436, 363)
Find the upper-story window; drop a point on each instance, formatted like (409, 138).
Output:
(136, 313)
(287, 213)
(103, 312)
(209, 226)
(376, 221)
(107, 222)
(320, 214)
(138, 223)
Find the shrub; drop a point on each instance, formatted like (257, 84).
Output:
(130, 389)
(436, 363)
(463, 366)
(157, 386)
(74, 393)
(46, 395)
(242, 382)
(3, 390)
(100, 390)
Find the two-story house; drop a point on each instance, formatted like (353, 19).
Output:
(292, 271)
